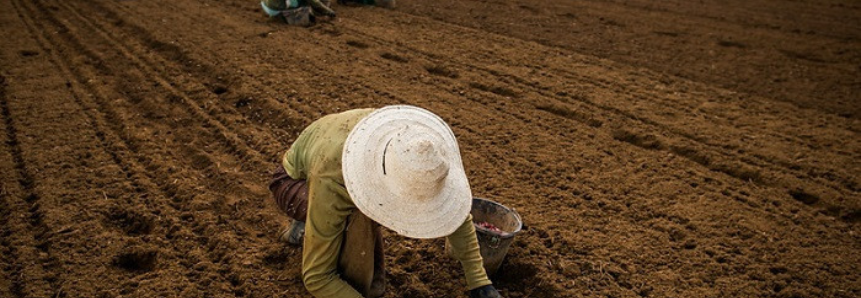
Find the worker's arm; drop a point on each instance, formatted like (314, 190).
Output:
(324, 235)
(464, 246)
(293, 159)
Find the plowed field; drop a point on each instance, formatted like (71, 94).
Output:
(653, 148)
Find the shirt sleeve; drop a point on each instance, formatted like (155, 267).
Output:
(324, 236)
(290, 160)
(464, 246)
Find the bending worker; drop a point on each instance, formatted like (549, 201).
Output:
(349, 173)
(305, 12)
(297, 12)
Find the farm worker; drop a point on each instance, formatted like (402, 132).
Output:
(297, 12)
(304, 12)
(347, 174)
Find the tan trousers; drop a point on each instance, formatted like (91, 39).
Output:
(361, 263)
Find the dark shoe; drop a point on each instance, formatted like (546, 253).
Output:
(487, 291)
(293, 234)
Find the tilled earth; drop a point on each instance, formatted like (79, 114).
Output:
(653, 148)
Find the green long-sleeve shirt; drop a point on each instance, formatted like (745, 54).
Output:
(316, 157)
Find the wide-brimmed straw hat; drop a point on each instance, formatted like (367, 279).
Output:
(402, 168)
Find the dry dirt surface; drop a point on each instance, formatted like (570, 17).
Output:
(653, 148)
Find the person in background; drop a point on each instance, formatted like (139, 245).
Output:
(350, 173)
(306, 12)
(297, 12)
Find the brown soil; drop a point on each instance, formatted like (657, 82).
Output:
(653, 148)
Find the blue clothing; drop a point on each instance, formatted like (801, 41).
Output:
(274, 12)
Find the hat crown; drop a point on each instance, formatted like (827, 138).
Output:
(400, 161)
(414, 166)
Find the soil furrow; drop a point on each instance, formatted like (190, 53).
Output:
(636, 92)
(14, 237)
(705, 157)
(744, 175)
(749, 15)
(301, 113)
(745, 201)
(718, 168)
(740, 197)
(234, 278)
(7, 173)
(514, 287)
(135, 215)
(127, 212)
(216, 122)
(716, 151)
(200, 239)
(757, 64)
(266, 114)
(43, 231)
(370, 90)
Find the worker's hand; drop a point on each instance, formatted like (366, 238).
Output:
(487, 291)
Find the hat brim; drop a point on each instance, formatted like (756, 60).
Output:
(365, 180)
